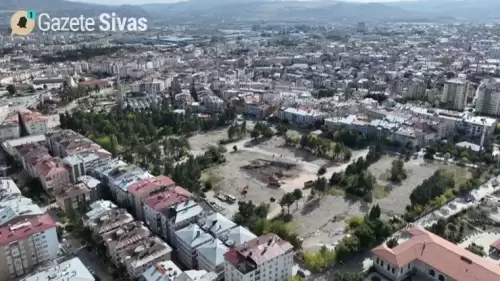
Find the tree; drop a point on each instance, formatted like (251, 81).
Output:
(287, 200)
(397, 172)
(375, 212)
(391, 243)
(11, 89)
(336, 178)
(476, 249)
(321, 171)
(235, 148)
(349, 277)
(254, 134)
(297, 195)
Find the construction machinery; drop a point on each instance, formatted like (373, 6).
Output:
(273, 180)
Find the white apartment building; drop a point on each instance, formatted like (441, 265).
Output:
(455, 94)
(26, 243)
(301, 116)
(161, 271)
(211, 257)
(80, 164)
(488, 97)
(34, 122)
(10, 129)
(182, 215)
(72, 269)
(188, 240)
(267, 257)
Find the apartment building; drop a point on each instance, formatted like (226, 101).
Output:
(80, 164)
(123, 236)
(216, 224)
(97, 210)
(64, 143)
(13, 206)
(422, 255)
(267, 257)
(454, 94)
(109, 220)
(188, 240)
(145, 188)
(158, 204)
(211, 257)
(11, 146)
(301, 116)
(93, 185)
(72, 269)
(197, 275)
(237, 236)
(161, 271)
(52, 175)
(74, 198)
(10, 129)
(138, 257)
(26, 243)
(488, 97)
(178, 217)
(34, 123)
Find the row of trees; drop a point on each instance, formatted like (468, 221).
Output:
(320, 147)
(291, 197)
(255, 218)
(188, 173)
(261, 130)
(449, 150)
(349, 138)
(364, 233)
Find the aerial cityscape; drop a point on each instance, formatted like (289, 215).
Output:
(250, 141)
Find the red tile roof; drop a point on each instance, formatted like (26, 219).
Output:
(167, 198)
(25, 228)
(143, 188)
(29, 116)
(496, 244)
(93, 82)
(444, 256)
(48, 167)
(259, 250)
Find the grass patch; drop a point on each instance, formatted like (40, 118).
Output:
(381, 191)
(336, 192)
(460, 175)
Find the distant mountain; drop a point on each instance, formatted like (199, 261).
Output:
(460, 9)
(262, 10)
(62, 7)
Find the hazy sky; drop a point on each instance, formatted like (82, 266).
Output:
(119, 2)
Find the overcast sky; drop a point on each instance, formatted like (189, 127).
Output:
(119, 2)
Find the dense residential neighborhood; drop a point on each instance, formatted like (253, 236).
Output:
(252, 151)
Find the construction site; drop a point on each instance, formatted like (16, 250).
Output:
(272, 172)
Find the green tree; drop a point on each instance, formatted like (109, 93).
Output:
(287, 200)
(391, 243)
(321, 171)
(297, 195)
(11, 89)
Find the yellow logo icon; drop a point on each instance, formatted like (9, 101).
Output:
(22, 23)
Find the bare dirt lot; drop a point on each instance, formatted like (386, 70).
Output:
(262, 169)
(233, 179)
(395, 197)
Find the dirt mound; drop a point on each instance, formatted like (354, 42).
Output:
(262, 169)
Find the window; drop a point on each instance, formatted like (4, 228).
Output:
(441, 277)
(393, 270)
(388, 267)
(381, 263)
(432, 273)
(409, 265)
(378, 260)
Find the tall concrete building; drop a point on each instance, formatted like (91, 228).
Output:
(488, 97)
(454, 94)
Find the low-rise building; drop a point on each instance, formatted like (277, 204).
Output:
(10, 129)
(424, 255)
